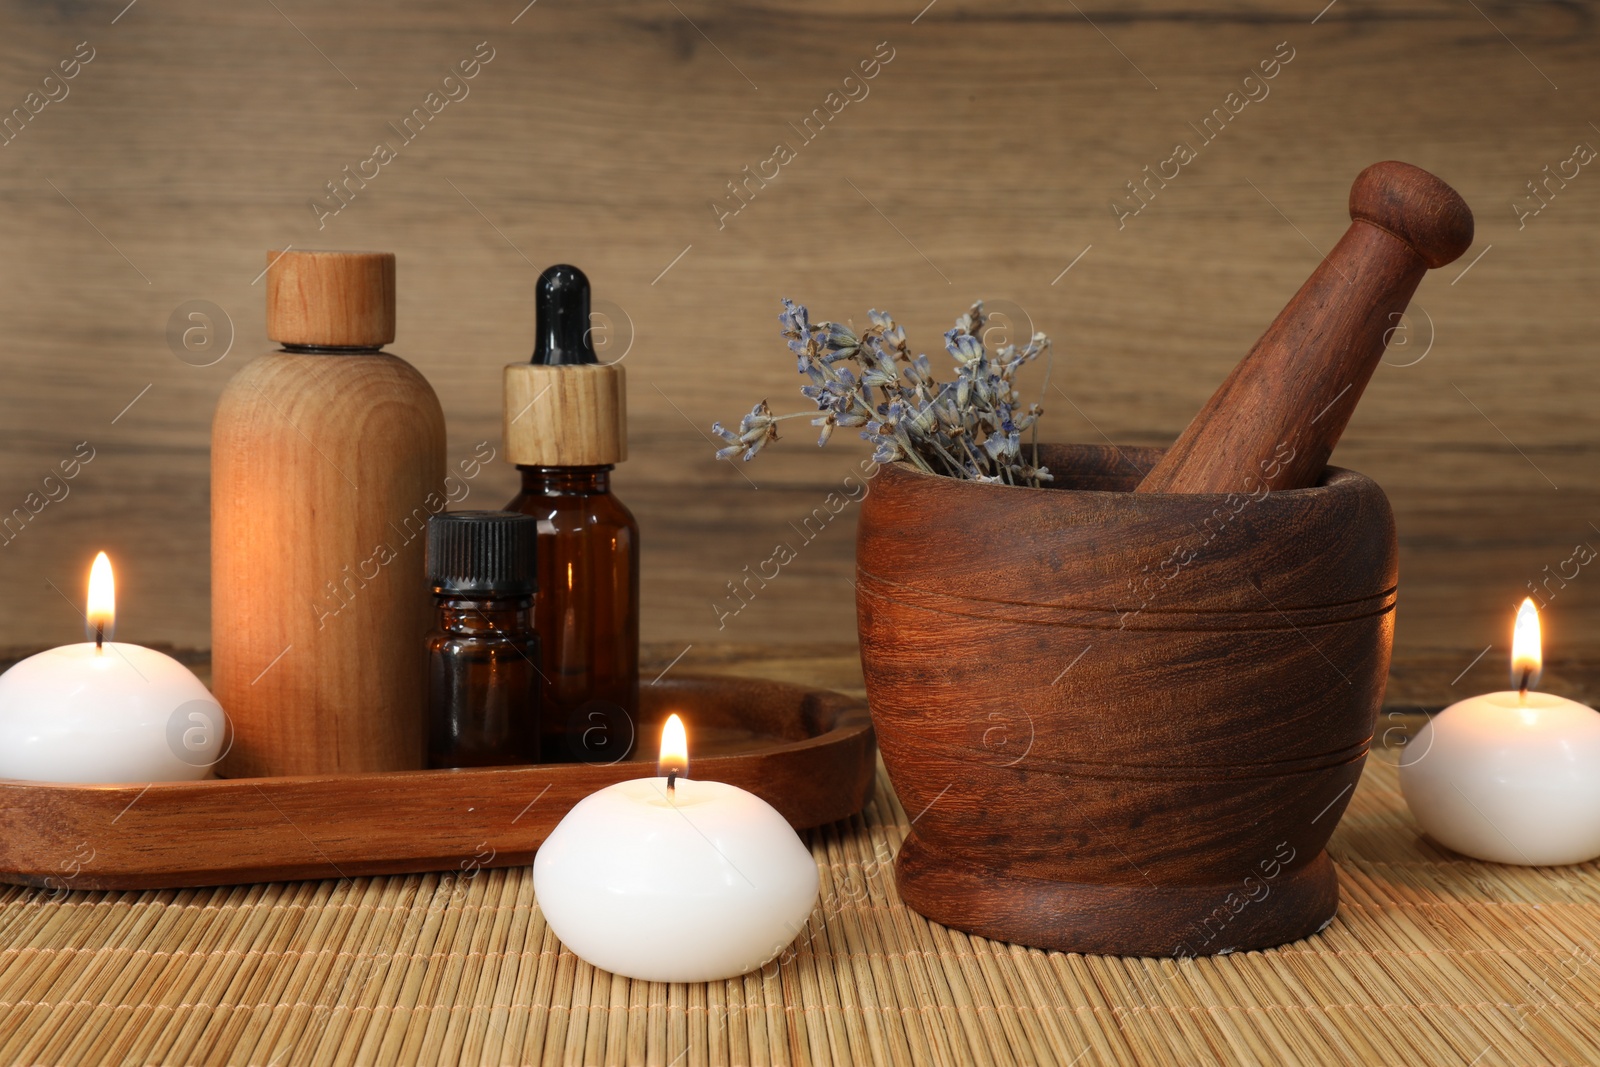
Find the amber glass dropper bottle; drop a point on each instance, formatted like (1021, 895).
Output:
(565, 428)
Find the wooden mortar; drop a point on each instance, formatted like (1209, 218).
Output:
(1127, 711)
(1123, 722)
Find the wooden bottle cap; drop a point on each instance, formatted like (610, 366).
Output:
(330, 299)
(568, 415)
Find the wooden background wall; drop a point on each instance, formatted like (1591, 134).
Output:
(982, 162)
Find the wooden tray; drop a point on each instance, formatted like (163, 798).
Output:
(807, 752)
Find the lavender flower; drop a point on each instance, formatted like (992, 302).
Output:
(970, 427)
(755, 430)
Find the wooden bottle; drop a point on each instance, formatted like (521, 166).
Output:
(1276, 418)
(327, 458)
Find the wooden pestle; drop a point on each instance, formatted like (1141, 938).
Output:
(1276, 418)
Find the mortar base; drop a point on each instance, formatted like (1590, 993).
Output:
(1117, 920)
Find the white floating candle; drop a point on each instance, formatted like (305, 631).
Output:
(105, 711)
(1510, 777)
(669, 879)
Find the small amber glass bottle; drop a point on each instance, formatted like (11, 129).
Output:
(588, 610)
(484, 690)
(565, 428)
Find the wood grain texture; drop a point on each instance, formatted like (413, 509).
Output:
(1075, 740)
(572, 415)
(807, 752)
(331, 299)
(995, 142)
(324, 471)
(1276, 418)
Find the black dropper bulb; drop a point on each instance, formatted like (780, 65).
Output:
(562, 325)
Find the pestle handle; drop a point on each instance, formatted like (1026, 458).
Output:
(1276, 418)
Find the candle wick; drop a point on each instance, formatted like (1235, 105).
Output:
(672, 787)
(99, 635)
(1522, 688)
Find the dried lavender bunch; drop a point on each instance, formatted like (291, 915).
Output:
(971, 427)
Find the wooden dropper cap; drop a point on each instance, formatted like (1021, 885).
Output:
(565, 408)
(330, 299)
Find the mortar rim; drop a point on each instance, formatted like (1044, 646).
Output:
(1334, 478)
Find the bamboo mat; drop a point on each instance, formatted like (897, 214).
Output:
(1433, 959)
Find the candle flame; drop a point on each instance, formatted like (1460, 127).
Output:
(1527, 653)
(102, 613)
(674, 762)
